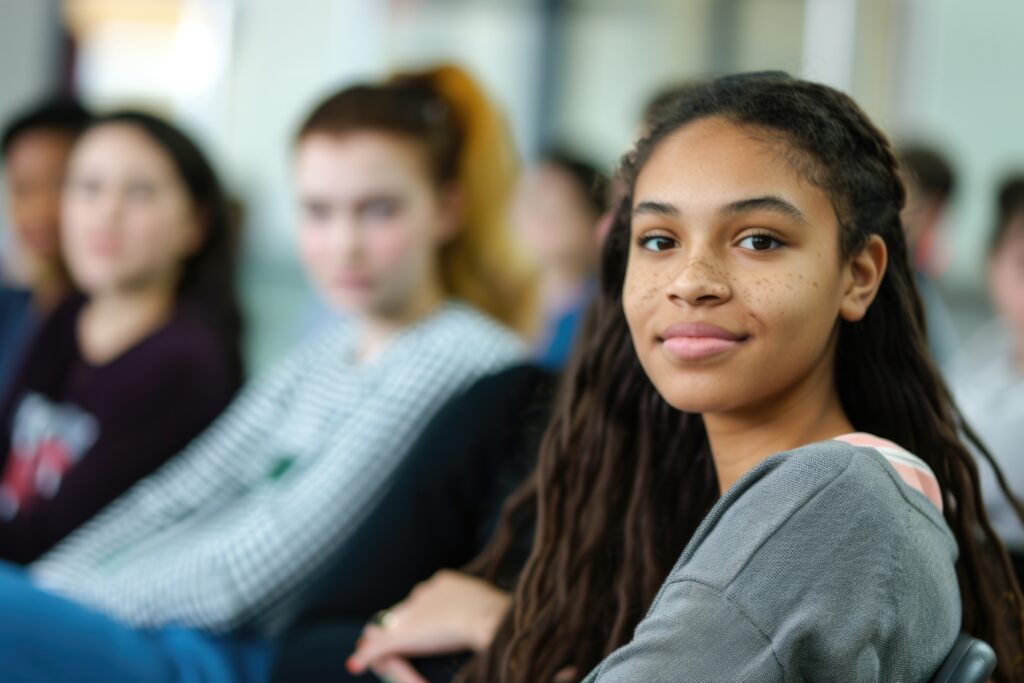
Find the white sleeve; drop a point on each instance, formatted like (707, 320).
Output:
(227, 456)
(274, 539)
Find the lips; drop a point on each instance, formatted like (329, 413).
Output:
(699, 340)
(104, 247)
(351, 281)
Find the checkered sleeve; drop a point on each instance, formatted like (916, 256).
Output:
(247, 570)
(222, 460)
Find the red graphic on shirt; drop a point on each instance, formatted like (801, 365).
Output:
(47, 441)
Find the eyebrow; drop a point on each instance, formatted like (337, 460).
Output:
(771, 203)
(656, 208)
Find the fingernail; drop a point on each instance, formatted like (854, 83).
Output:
(359, 643)
(352, 665)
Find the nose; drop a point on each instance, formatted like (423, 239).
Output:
(699, 282)
(108, 208)
(346, 239)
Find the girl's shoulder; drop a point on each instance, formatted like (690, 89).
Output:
(914, 472)
(461, 330)
(821, 554)
(827, 495)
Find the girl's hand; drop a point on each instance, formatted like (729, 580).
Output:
(450, 612)
(396, 670)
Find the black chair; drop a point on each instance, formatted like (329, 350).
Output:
(970, 661)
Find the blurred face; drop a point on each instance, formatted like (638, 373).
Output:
(554, 219)
(371, 220)
(129, 221)
(1006, 278)
(921, 216)
(35, 170)
(734, 283)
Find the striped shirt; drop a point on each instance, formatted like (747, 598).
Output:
(228, 534)
(912, 470)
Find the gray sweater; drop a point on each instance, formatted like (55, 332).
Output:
(820, 564)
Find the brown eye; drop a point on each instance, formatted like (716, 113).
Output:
(380, 208)
(656, 243)
(317, 212)
(760, 243)
(141, 192)
(84, 187)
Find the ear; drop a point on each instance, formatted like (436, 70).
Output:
(197, 233)
(453, 209)
(864, 273)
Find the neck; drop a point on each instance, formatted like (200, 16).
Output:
(377, 329)
(808, 413)
(112, 322)
(46, 279)
(48, 290)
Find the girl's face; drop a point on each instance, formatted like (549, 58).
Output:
(1006, 277)
(35, 172)
(735, 283)
(371, 220)
(128, 220)
(554, 219)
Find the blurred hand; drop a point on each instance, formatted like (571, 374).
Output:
(396, 670)
(450, 612)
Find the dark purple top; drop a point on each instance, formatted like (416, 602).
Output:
(73, 436)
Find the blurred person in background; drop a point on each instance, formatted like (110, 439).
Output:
(556, 211)
(36, 145)
(403, 187)
(123, 376)
(930, 185)
(987, 376)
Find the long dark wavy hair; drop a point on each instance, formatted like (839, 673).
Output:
(207, 280)
(624, 479)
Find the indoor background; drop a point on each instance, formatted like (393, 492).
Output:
(239, 74)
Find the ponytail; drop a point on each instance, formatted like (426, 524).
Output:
(483, 265)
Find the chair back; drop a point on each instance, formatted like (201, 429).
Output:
(970, 661)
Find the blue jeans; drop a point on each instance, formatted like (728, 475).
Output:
(44, 637)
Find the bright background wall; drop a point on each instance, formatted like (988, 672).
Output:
(240, 74)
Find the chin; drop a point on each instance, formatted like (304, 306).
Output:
(347, 301)
(91, 285)
(691, 393)
(693, 404)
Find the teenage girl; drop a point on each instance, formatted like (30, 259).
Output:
(754, 449)
(121, 378)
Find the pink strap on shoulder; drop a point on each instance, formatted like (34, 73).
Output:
(912, 470)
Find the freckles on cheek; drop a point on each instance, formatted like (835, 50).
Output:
(646, 283)
(764, 294)
(779, 300)
(640, 294)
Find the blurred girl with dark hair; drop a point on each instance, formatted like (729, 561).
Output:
(121, 378)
